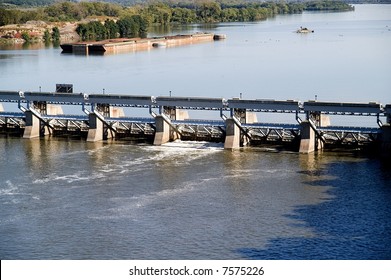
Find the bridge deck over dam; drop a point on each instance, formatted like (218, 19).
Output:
(102, 117)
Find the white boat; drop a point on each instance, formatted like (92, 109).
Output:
(304, 30)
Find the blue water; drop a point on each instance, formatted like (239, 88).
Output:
(189, 200)
(351, 225)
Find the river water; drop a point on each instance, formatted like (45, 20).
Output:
(63, 199)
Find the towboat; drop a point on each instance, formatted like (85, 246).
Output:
(304, 30)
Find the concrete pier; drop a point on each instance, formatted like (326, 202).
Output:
(95, 131)
(385, 137)
(307, 142)
(98, 130)
(232, 138)
(245, 117)
(320, 119)
(175, 114)
(162, 134)
(33, 126)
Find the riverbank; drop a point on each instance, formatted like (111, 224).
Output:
(12, 34)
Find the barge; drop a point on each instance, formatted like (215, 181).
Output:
(136, 44)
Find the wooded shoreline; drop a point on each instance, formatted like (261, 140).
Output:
(96, 20)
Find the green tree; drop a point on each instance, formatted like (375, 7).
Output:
(159, 13)
(183, 15)
(10, 16)
(209, 12)
(56, 34)
(46, 36)
(82, 31)
(99, 30)
(132, 26)
(95, 30)
(112, 30)
(229, 14)
(26, 37)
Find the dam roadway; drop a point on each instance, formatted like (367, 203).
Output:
(102, 117)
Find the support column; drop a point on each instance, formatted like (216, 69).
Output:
(162, 134)
(247, 118)
(95, 130)
(251, 117)
(116, 112)
(324, 121)
(108, 111)
(307, 142)
(54, 109)
(33, 126)
(175, 114)
(179, 115)
(232, 135)
(50, 109)
(385, 148)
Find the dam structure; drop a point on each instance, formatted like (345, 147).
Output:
(234, 123)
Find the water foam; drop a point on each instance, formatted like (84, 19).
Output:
(183, 152)
(131, 207)
(10, 189)
(70, 178)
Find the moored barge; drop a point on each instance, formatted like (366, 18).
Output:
(136, 44)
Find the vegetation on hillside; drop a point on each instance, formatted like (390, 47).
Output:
(102, 20)
(162, 13)
(36, 3)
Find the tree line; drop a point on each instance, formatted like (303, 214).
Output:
(126, 27)
(164, 13)
(118, 21)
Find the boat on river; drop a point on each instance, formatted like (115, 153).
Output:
(304, 30)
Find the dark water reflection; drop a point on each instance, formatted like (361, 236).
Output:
(354, 224)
